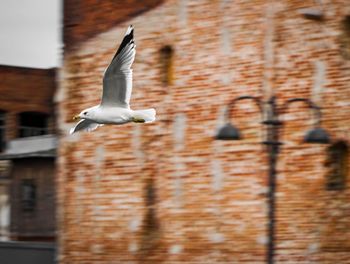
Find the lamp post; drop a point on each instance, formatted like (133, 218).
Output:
(272, 124)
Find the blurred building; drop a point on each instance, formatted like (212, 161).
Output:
(27, 204)
(167, 192)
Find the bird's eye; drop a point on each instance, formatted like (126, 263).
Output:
(85, 113)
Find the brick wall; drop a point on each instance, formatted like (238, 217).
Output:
(167, 192)
(84, 19)
(25, 89)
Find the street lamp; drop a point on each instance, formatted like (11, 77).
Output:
(272, 123)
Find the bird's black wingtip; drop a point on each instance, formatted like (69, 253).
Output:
(130, 31)
(128, 38)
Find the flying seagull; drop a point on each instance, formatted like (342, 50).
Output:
(117, 85)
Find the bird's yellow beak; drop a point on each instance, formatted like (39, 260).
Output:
(76, 117)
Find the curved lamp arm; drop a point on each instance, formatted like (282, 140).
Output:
(316, 109)
(317, 134)
(229, 131)
(233, 102)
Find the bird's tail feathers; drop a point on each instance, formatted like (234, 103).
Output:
(147, 115)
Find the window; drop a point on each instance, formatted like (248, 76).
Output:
(166, 61)
(33, 124)
(345, 38)
(337, 163)
(28, 195)
(2, 130)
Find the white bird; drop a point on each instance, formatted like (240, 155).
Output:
(117, 86)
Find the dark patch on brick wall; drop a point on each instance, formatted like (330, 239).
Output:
(166, 62)
(345, 38)
(151, 227)
(337, 164)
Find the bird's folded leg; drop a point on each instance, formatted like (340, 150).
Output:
(138, 120)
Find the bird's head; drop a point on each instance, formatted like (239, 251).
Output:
(85, 114)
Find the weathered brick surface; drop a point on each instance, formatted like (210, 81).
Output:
(84, 19)
(167, 192)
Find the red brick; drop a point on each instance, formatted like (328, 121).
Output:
(210, 204)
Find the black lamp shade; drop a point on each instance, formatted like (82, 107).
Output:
(228, 132)
(317, 135)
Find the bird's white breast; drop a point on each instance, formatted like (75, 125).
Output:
(113, 115)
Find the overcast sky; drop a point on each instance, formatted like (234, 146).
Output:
(30, 33)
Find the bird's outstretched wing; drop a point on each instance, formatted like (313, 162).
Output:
(85, 125)
(117, 80)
